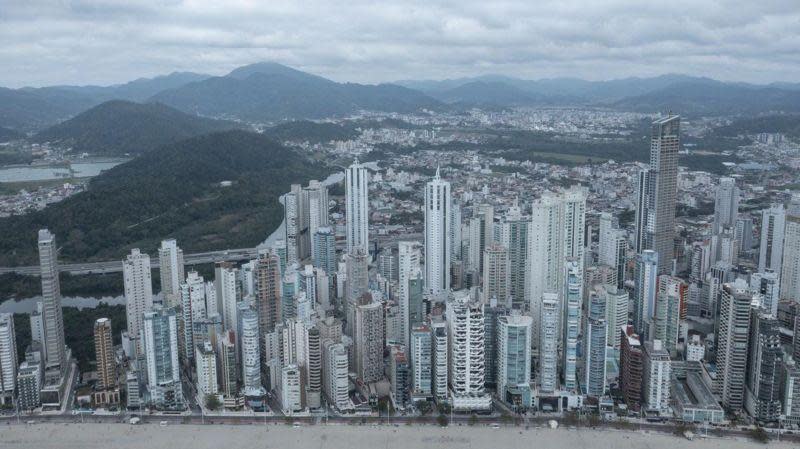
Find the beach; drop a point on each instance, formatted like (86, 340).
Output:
(282, 436)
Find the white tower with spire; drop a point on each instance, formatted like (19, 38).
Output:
(437, 235)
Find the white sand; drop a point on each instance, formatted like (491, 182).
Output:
(281, 436)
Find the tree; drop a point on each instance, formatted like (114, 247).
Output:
(441, 420)
(424, 408)
(760, 435)
(212, 402)
(473, 419)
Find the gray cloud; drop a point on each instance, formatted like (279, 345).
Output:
(45, 42)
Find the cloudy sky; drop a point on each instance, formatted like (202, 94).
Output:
(45, 42)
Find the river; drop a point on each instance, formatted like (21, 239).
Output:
(81, 169)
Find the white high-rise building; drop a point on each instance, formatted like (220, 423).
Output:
(440, 366)
(790, 271)
(193, 308)
(171, 270)
(513, 355)
(53, 317)
(732, 340)
(369, 333)
(726, 205)
(160, 342)
(296, 228)
(357, 207)
(138, 293)
(437, 235)
(768, 286)
(571, 318)
(250, 355)
(616, 301)
(611, 247)
(8, 359)
(334, 373)
(548, 343)
(773, 222)
(408, 267)
(656, 377)
(226, 285)
(206, 369)
(481, 234)
(595, 339)
(421, 360)
(644, 290)
(467, 342)
(495, 274)
(317, 201)
(514, 237)
(291, 389)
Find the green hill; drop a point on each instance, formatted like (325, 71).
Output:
(118, 127)
(172, 192)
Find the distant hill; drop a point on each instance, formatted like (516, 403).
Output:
(713, 98)
(118, 127)
(172, 192)
(490, 93)
(7, 135)
(272, 92)
(36, 108)
(29, 109)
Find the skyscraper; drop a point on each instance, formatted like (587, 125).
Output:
(335, 371)
(571, 317)
(611, 247)
(368, 333)
(790, 270)
(514, 359)
(421, 361)
(594, 346)
(268, 303)
(481, 234)
(104, 354)
(160, 341)
(467, 345)
(324, 253)
(631, 366)
(496, 274)
(171, 270)
(514, 237)
(357, 207)
(616, 301)
(732, 339)
(8, 359)
(658, 192)
(249, 340)
(437, 235)
(773, 222)
(657, 376)
(439, 364)
(726, 205)
(206, 369)
(316, 199)
(295, 214)
(644, 290)
(408, 268)
(228, 293)
(548, 343)
(53, 318)
(357, 283)
(666, 314)
(765, 364)
(138, 293)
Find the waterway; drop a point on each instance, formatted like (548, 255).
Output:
(80, 169)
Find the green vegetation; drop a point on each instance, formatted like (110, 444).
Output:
(788, 124)
(173, 192)
(760, 435)
(78, 331)
(121, 127)
(7, 135)
(18, 286)
(212, 402)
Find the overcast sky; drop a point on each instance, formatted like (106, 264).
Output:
(44, 42)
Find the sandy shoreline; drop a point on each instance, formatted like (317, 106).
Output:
(124, 436)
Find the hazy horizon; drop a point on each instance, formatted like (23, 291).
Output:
(104, 42)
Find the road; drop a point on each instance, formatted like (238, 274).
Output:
(115, 266)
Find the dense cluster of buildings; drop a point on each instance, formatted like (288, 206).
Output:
(541, 304)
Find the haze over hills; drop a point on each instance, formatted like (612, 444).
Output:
(120, 127)
(273, 92)
(174, 191)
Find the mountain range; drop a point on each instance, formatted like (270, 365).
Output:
(268, 92)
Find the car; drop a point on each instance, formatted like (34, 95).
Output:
(296, 425)
(494, 425)
(163, 424)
